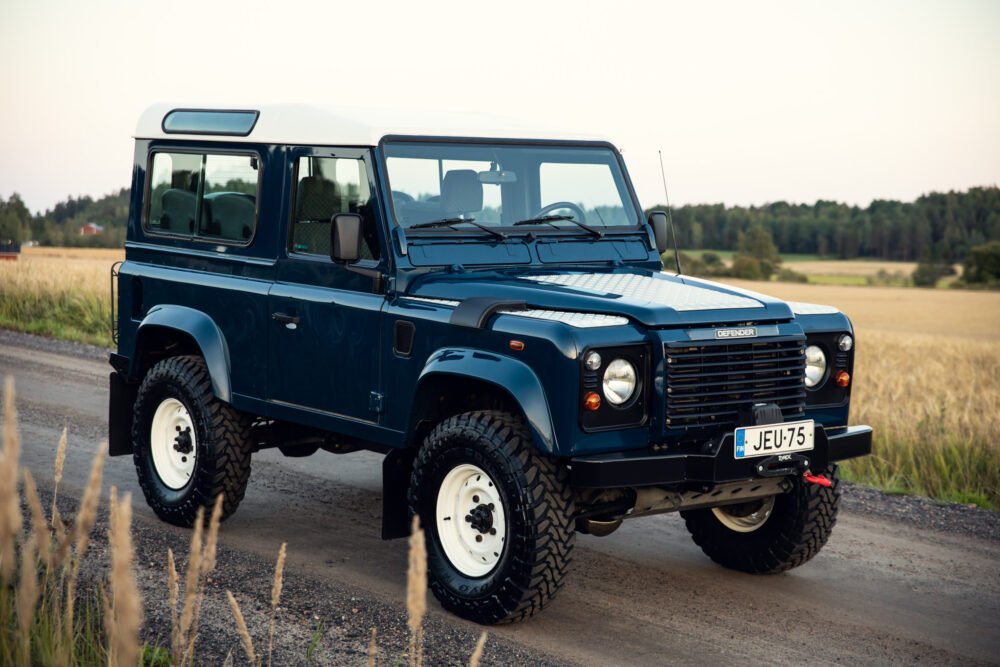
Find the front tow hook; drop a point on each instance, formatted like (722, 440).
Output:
(817, 479)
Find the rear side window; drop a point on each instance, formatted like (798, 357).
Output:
(326, 187)
(203, 195)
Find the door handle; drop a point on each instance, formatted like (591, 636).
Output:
(290, 321)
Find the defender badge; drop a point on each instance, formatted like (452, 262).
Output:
(744, 332)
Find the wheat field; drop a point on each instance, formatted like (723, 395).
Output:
(927, 379)
(927, 374)
(59, 292)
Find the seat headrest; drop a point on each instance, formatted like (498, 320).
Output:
(461, 192)
(317, 199)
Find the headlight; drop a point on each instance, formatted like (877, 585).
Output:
(619, 381)
(846, 343)
(815, 366)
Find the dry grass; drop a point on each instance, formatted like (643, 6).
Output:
(241, 627)
(123, 617)
(201, 562)
(959, 314)
(104, 255)
(927, 379)
(416, 592)
(477, 654)
(849, 267)
(39, 571)
(59, 292)
(39, 623)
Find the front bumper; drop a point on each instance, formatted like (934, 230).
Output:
(645, 468)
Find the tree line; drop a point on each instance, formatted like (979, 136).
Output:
(937, 226)
(60, 225)
(941, 227)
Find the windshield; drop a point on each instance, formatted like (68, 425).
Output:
(524, 187)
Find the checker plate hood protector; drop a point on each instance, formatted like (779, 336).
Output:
(652, 298)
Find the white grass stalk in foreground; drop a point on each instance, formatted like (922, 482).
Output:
(477, 654)
(10, 505)
(60, 462)
(241, 626)
(201, 561)
(373, 649)
(279, 569)
(84, 523)
(124, 618)
(416, 592)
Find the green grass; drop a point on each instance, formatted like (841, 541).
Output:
(57, 315)
(843, 281)
(942, 466)
(727, 255)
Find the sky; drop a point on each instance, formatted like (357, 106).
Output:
(749, 102)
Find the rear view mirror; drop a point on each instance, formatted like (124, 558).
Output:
(658, 221)
(345, 238)
(497, 177)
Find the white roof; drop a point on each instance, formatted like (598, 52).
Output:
(314, 125)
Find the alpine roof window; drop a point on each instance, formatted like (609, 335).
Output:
(194, 121)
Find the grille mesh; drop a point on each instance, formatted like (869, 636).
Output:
(709, 384)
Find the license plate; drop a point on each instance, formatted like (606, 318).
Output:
(772, 439)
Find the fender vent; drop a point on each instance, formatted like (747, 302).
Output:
(403, 333)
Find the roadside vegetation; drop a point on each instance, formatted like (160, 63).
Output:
(927, 373)
(51, 615)
(927, 379)
(60, 293)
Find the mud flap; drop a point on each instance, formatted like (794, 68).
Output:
(396, 469)
(120, 406)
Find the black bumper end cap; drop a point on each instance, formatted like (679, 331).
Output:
(849, 442)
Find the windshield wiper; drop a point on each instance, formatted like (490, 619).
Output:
(448, 222)
(555, 218)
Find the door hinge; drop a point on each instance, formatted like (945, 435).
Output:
(376, 402)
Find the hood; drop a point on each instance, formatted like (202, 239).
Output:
(654, 299)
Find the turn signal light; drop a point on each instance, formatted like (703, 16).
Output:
(516, 345)
(592, 401)
(843, 379)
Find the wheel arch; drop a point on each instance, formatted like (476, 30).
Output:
(456, 380)
(169, 330)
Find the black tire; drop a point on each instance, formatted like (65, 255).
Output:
(222, 456)
(538, 504)
(797, 528)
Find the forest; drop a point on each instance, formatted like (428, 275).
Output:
(937, 226)
(941, 227)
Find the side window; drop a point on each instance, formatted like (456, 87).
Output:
(206, 196)
(327, 186)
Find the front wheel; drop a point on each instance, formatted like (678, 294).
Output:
(497, 516)
(770, 535)
(189, 447)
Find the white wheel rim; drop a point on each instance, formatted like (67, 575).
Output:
(748, 523)
(470, 518)
(170, 434)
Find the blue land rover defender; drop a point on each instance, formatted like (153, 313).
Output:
(489, 309)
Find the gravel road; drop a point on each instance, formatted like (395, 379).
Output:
(902, 579)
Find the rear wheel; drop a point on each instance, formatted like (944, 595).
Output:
(770, 535)
(189, 447)
(497, 516)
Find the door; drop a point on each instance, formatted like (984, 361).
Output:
(324, 336)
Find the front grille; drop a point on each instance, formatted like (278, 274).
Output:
(708, 385)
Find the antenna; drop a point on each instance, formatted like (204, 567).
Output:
(670, 218)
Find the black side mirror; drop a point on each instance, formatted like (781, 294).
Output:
(658, 221)
(345, 238)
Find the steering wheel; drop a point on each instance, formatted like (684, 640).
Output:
(578, 212)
